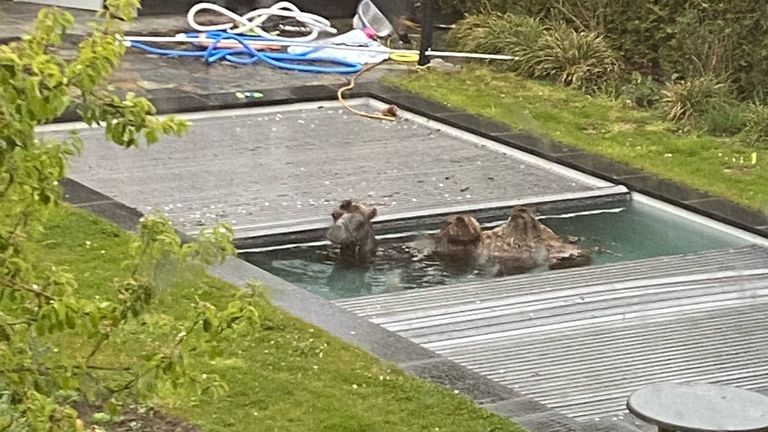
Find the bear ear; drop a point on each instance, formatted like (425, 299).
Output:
(372, 212)
(462, 222)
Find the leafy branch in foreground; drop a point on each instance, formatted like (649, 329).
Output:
(52, 337)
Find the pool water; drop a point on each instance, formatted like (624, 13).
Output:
(636, 232)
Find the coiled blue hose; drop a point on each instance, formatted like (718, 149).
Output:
(247, 54)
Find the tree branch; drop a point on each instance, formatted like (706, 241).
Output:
(38, 293)
(29, 289)
(179, 340)
(8, 185)
(10, 424)
(46, 369)
(570, 15)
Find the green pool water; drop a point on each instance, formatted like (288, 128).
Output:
(636, 232)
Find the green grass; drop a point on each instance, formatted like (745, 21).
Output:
(289, 377)
(720, 166)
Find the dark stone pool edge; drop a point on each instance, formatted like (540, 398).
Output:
(666, 190)
(686, 197)
(378, 341)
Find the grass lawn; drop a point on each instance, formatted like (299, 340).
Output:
(288, 377)
(720, 166)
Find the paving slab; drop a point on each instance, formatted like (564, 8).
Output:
(16, 18)
(283, 169)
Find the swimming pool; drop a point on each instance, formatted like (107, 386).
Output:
(642, 229)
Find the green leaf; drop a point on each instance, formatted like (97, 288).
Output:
(41, 328)
(101, 418)
(71, 321)
(112, 408)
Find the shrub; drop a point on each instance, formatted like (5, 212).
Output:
(41, 307)
(640, 92)
(574, 59)
(693, 97)
(661, 38)
(520, 7)
(723, 118)
(579, 59)
(497, 33)
(724, 37)
(756, 129)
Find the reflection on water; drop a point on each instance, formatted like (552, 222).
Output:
(637, 232)
(396, 267)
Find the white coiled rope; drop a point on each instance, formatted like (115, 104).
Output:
(252, 21)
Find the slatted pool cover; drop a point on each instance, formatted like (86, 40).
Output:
(579, 340)
(268, 171)
(582, 340)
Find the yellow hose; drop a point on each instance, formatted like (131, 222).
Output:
(350, 86)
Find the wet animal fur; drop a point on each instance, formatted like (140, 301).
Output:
(353, 231)
(520, 244)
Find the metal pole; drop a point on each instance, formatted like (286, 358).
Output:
(427, 27)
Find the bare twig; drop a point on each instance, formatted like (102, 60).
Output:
(570, 15)
(29, 289)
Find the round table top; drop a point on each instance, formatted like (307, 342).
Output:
(700, 407)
